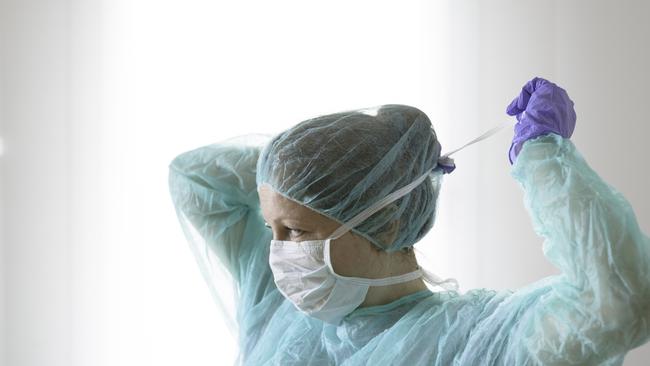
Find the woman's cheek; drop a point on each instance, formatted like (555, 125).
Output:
(349, 258)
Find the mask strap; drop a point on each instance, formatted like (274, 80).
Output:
(447, 164)
(377, 206)
(387, 281)
(450, 284)
(356, 220)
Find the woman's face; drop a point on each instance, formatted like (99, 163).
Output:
(351, 255)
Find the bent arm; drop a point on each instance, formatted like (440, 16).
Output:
(213, 190)
(599, 307)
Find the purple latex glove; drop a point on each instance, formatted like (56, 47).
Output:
(446, 164)
(541, 108)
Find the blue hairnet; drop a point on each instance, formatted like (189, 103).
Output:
(340, 164)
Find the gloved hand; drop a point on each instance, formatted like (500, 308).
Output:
(541, 108)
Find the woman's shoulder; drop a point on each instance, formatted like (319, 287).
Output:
(473, 296)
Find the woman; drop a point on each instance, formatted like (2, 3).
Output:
(317, 227)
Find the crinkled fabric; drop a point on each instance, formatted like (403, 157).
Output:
(342, 163)
(596, 310)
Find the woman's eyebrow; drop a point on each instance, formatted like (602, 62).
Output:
(294, 222)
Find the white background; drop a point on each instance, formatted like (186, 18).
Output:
(97, 97)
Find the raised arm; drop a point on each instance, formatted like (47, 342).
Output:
(215, 197)
(213, 191)
(599, 308)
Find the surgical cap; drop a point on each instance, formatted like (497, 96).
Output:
(340, 164)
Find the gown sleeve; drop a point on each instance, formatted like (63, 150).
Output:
(599, 307)
(214, 194)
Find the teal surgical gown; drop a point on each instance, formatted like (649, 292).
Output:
(592, 313)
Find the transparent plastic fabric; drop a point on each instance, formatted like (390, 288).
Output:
(213, 191)
(591, 314)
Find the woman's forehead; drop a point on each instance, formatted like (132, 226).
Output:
(276, 207)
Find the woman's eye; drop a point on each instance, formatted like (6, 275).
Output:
(292, 232)
(295, 232)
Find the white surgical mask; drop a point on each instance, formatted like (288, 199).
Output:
(303, 271)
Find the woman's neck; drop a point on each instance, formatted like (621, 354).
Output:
(380, 295)
(393, 264)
